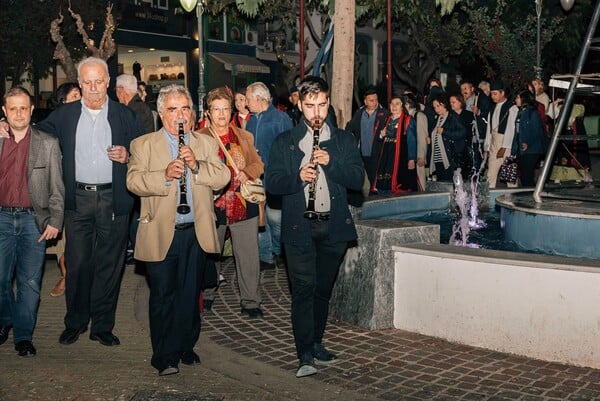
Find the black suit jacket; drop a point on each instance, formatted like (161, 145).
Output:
(62, 123)
(143, 113)
(354, 124)
(344, 171)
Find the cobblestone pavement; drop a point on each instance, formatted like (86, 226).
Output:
(245, 359)
(88, 371)
(392, 364)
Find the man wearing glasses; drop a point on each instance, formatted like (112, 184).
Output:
(173, 241)
(94, 135)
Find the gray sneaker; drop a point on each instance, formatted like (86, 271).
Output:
(306, 367)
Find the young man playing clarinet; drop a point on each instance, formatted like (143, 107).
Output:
(312, 166)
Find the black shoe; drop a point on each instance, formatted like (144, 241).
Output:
(266, 266)
(107, 338)
(280, 261)
(322, 356)
(207, 304)
(4, 330)
(69, 336)
(169, 370)
(189, 358)
(254, 313)
(25, 348)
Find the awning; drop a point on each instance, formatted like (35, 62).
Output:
(238, 63)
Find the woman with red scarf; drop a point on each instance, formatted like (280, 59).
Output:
(233, 212)
(395, 152)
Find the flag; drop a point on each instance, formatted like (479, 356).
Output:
(324, 53)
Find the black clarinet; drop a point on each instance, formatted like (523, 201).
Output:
(183, 207)
(310, 213)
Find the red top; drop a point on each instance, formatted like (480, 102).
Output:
(14, 159)
(231, 201)
(240, 121)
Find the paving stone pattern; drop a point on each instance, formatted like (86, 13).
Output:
(254, 360)
(392, 364)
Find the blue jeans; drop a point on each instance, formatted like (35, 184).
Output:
(21, 257)
(269, 241)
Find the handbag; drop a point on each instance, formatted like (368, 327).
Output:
(509, 171)
(252, 190)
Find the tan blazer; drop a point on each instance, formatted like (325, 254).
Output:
(146, 177)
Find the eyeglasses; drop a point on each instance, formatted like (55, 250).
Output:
(220, 109)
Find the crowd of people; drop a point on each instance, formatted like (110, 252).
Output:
(147, 175)
(476, 131)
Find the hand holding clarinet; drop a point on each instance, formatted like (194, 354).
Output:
(176, 169)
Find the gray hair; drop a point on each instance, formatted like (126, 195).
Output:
(260, 90)
(172, 90)
(91, 61)
(127, 82)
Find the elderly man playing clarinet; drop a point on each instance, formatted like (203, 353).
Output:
(175, 171)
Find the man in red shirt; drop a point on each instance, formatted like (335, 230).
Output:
(31, 212)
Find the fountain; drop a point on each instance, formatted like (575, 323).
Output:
(468, 209)
(540, 306)
(401, 276)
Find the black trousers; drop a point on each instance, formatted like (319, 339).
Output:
(527, 164)
(95, 256)
(174, 292)
(312, 271)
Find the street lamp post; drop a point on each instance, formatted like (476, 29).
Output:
(538, 59)
(188, 5)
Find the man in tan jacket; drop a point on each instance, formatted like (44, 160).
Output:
(172, 241)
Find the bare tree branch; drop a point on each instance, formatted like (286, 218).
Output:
(61, 53)
(107, 45)
(89, 44)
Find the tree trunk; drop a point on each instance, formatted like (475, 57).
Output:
(342, 82)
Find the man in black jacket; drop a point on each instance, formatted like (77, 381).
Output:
(312, 166)
(94, 135)
(365, 125)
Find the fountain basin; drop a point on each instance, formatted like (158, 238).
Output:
(568, 227)
(400, 276)
(538, 306)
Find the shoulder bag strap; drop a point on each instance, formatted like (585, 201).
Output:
(224, 149)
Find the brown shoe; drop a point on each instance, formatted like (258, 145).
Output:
(59, 288)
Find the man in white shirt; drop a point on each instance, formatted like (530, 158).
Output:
(500, 131)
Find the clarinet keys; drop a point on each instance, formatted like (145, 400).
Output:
(182, 207)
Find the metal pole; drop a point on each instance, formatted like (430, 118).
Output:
(538, 60)
(301, 38)
(389, 50)
(201, 88)
(566, 110)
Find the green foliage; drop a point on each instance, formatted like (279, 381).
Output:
(249, 7)
(446, 6)
(25, 44)
(505, 39)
